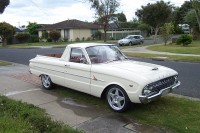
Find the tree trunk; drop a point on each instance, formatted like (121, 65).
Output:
(105, 31)
(198, 17)
(156, 33)
(4, 42)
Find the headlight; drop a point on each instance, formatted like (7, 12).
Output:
(147, 90)
(175, 79)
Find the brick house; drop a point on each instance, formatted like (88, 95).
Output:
(72, 29)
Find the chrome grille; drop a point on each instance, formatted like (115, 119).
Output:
(162, 84)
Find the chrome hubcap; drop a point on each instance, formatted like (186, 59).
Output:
(116, 98)
(46, 81)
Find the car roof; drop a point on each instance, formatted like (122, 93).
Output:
(85, 45)
(134, 35)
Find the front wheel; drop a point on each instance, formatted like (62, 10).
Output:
(117, 99)
(46, 82)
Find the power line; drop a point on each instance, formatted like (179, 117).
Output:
(35, 4)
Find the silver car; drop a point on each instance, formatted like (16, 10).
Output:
(131, 40)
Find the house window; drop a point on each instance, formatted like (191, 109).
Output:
(66, 34)
(93, 31)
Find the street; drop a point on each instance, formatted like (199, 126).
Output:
(189, 73)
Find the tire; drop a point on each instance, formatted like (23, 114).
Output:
(46, 82)
(117, 99)
(130, 43)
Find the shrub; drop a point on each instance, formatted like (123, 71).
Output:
(66, 40)
(77, 39)
(22, 37)
(49, 40)
(34, 38)
(97, 35)
(54, 35)
(45, 34)
(88, 39)
(83, 39)
(184, 40)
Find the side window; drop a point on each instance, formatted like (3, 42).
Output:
(77, 56)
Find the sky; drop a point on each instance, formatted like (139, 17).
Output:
(20, 12)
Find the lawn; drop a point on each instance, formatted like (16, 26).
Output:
(134, 46)
(169, 57)
(177, 114)
(18, 117)
(193, 48)
(3, 63)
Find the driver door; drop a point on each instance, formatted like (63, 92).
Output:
(78, 71)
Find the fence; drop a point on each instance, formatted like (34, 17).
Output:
(116, 35)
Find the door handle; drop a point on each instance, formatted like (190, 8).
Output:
(67, 65)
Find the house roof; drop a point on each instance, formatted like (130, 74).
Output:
(71, 24)
(113, 26)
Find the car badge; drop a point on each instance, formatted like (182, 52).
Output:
(154, 69)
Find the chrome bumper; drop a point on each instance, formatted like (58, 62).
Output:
(147, 99)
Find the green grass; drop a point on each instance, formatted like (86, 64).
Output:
(134, 46)
(193, 48)
(3, 63)
(169, 57)
(18, 117)
(177, 114)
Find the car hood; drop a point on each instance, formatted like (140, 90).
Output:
(139, 72)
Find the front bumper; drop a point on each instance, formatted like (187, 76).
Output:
(147, 99)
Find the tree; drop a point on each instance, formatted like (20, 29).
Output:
(196, 6)
(121, 17)
(105, 10)
(179, 13)
(144, 28)
(155, 15)
(3, 5)
(32, 28)
(6, 31)
(166, 32)
(54, 35)
(22, 37)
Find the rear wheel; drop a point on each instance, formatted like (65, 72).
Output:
(46, 82)
(117, 98)
(130, 43)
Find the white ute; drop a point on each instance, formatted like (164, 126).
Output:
(103, 70)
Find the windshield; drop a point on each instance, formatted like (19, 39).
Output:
(128, 37)
(104, 54)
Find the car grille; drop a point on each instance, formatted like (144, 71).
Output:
(162, 84)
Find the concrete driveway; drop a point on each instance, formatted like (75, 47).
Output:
(17, 83)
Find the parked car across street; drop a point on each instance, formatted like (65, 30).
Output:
(131, 40)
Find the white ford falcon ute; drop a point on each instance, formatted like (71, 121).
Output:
(102, 70)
